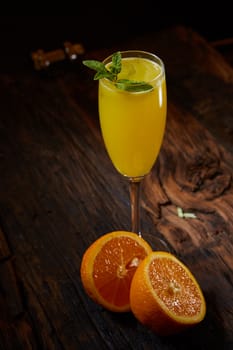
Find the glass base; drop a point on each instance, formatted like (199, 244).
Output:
(156, 243)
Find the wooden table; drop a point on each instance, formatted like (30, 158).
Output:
(59, 192)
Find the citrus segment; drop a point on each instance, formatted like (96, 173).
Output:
(108, 266)
(165, 296)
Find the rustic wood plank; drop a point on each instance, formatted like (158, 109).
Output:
(195, 175)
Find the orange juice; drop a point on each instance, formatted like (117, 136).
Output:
(133, 123)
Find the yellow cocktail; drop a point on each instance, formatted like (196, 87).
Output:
(133, 123)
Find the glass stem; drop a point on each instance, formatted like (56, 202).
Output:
(135, 188)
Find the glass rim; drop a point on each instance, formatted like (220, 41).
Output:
(143, 54)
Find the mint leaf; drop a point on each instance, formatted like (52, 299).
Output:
(102, 71)
(104, 74)
(96, 65)
(132, 85)
(113, 71)
(115, 67)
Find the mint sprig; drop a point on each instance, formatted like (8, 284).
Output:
(112, 74)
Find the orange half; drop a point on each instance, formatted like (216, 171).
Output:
(108, 266)
(165, 296)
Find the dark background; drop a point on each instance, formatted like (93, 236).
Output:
(105, 23)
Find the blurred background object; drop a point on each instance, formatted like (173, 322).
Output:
(105, 24)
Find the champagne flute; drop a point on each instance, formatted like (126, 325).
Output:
(132, 121)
